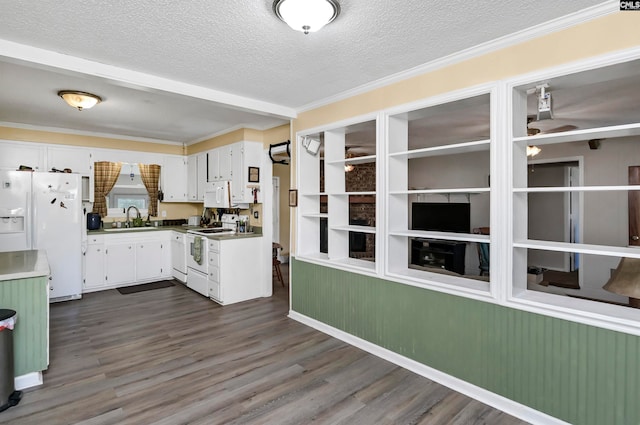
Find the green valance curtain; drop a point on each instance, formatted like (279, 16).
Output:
(150, 174)
(106, 175)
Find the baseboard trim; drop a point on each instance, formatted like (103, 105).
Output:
(29, 380)
(511, 407)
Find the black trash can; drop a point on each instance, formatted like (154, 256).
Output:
(8, 395)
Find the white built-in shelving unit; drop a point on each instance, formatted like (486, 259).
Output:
(470, 146)
(594, 132)
(426, 162)
(324, 206)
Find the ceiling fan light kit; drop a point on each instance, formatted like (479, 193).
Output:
(533, 151)
(306, 15)
(79, 99)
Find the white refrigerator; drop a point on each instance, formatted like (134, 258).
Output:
(43, 211)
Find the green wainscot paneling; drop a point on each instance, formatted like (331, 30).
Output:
(578, 373)
(28, 297)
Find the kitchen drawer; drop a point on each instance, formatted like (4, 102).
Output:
(214, 245)
(95, 239)
(214, 259)
(214, 290)
(178, 237)
(214, 274)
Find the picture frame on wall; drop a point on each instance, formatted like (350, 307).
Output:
(293, 197)
(254, 175)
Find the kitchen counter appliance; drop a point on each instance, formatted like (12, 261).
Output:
(93, 221)
(218, 195)
(43, 211)
(197, 252)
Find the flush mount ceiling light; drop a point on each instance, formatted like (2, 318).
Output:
(79, 99)
(306, 15)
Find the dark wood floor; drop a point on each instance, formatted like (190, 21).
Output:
(170, 356)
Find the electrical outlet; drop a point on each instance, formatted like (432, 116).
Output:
(255, 215)
(164, 213)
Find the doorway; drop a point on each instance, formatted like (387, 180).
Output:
(556, 216)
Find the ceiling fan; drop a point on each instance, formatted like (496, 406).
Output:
(348, 155)
(532, 131)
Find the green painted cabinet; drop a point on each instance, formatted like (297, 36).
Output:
(29, 298)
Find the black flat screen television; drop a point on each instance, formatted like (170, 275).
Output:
(441, 217)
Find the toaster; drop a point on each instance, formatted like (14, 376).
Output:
(194, 220)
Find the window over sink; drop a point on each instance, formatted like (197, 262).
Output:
(128, 190)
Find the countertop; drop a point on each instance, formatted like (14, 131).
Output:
(182, 229)
(23, 264)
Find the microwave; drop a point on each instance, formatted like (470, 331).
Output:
(218, 195)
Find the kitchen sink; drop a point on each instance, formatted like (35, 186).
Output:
(128, 229)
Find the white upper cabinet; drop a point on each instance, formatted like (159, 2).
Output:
(79, 160)
(15, 154)
(245, 163)
(220, 163)
(196, 177)
(201, 176)
(192, 178)
(174, 178)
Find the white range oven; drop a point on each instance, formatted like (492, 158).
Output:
(197, 263)
(197, 272)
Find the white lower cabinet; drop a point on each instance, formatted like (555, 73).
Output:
(234, 270)
(120, 262)
(126, 259)
(94, 266)
(148, 255)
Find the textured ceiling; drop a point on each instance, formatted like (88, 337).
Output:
(240, 47)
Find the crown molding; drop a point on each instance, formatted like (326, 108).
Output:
(528, 34)
(59, 130)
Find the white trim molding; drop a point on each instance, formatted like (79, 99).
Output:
(29, 380)
(536, 31)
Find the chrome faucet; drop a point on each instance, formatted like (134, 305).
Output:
(128, 222)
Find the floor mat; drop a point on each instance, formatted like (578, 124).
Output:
(145, 287)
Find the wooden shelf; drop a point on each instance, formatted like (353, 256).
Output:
(581, 135)
(605, 250)
(458, 148)
(355, 160)
(353, 228)
(575, 189)
(447, 236)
